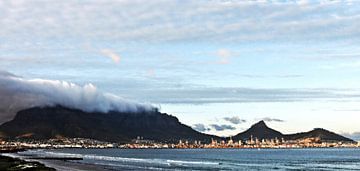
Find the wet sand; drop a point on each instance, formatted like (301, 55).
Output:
(71, 165)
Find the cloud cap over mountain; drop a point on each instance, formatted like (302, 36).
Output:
(19, 93)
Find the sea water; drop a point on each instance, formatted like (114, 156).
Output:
(212, 159)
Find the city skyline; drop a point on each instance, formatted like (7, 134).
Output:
(219, 66)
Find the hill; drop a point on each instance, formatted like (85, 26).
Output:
(261, 131)
(323, 134)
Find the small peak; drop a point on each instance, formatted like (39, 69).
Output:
(319, 129)
(260, 124)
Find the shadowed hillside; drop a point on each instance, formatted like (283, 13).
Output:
(50, 122)
(261, 131)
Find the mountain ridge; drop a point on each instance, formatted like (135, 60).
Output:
(261, 131)
(50, 122)
(58, 121)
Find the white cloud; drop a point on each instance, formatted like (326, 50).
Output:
(208, 95)
(222, 127)
(18, 93)
(234, 120)
(111, 54)
(200, 127)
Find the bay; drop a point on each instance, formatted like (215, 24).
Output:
(211, 159)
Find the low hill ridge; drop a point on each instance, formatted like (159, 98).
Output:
(261, 131)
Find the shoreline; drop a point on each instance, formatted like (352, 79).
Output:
(12, 160)
(50, 163)
(15, 163)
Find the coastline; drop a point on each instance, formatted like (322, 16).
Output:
(11, 160)
(111, 159)
(65, 165)
(8, 161)
(12, 163)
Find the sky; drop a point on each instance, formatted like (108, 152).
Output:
(217, 65)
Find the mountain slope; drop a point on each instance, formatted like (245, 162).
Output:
(49, 122)
(323, 134)
(259, 130)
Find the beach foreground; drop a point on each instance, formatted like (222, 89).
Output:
(16, 161)
(10, 163)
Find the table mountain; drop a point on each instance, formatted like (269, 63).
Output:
(50, 122)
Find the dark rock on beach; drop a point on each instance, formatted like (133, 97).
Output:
(14, 164)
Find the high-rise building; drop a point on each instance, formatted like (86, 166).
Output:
(251, 140)
(230, 142)
(213, 142)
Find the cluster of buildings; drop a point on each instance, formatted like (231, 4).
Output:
(143, 143)
(56, 143)
(268, 143)
(250, 143)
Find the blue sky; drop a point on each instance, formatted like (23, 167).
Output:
(293, 63)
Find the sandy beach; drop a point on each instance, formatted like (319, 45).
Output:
(61, 165)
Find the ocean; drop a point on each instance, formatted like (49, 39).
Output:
(209, 159)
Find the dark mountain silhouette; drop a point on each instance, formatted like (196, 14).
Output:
(259, 130)
(50, 122)
(323, 134)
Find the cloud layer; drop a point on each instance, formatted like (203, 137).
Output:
(200, 127)
(355, 136)
(222, 127)
(18, 93)
(267, 119)
(174, 20)
(206, 95)
(234, 120)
